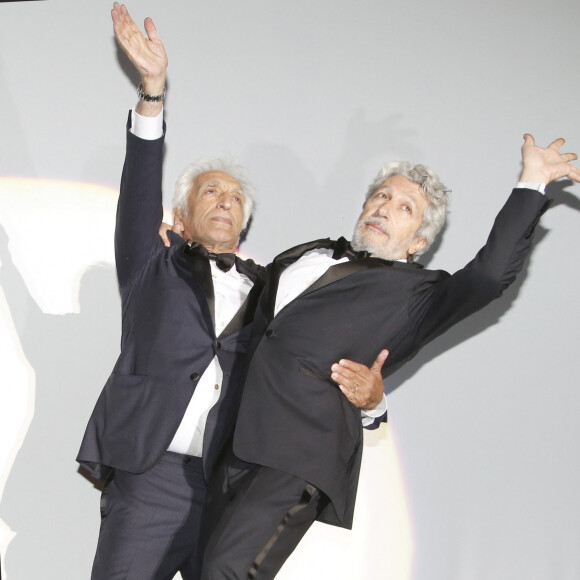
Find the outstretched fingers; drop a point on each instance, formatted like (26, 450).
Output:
(147, 53)
(126, 31)
(544, 165)
(557, 143)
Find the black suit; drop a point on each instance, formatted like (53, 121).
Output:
(292, 419)
(168, 337)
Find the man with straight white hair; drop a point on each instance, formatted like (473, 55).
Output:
(170, 403)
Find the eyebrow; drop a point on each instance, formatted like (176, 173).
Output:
(408, 196)
(217, 184)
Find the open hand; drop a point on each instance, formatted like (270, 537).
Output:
(361, 385)
(147, 54)
(544, 165)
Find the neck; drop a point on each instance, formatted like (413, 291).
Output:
(218, 248)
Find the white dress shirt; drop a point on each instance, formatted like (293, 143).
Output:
(230, 290)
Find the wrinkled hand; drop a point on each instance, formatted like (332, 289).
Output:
(165, 227)
(147, 54)
(544, 165)
(361, 385)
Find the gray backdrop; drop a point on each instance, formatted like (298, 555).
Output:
(476, 476)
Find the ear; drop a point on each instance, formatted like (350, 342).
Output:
(178, 219)
(417, 245)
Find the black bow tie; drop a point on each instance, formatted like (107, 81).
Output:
(223, 261)
(343, 249)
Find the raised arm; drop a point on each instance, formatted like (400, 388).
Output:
(146, 53)
(499, 261)
(140, 210)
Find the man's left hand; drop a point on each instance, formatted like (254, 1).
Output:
(165, 227)
(544, 165)
(361, 385)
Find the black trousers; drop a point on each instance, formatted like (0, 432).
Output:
(269, 513)
(151, 522)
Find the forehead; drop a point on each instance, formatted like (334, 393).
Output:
(217, 179)
(397, 184)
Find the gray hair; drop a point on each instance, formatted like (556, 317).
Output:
(226, 164)
(432, 187)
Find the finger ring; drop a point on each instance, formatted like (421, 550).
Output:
(355, 388)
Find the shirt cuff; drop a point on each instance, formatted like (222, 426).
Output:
(149, 128)
(378, 411)
(541, 187)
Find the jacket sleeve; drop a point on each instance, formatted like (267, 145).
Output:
(140, 209)
(452, 298)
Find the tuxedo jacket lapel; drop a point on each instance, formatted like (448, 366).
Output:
(289, 256)
(282, 261)
(333, 274)
(245, 314)
(201, 270)
(344, 269)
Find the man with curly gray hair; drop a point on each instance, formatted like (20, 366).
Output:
(373, 233)
(300, 440)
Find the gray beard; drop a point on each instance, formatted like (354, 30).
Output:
(361, 243)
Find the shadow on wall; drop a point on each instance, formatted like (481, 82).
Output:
(44, 498)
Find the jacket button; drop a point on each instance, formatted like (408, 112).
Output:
(218, 344)
(269, 333)
(194, 376)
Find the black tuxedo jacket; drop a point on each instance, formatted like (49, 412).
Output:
(292, 417)
(168, 336)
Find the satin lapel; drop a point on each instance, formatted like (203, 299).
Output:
(340, 271)
(201, 270)
(245, 314)
(284, 260)
(294, 253)
(272, 288)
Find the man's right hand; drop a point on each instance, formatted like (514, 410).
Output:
(147, 54)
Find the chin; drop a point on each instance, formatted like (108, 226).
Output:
(383, 251)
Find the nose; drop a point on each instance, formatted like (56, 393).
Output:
(224, 201)
(384, 209)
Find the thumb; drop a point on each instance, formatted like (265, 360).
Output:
(380, 360)
(528, 140)
(151, 30)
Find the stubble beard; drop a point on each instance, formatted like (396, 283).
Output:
(363, 241)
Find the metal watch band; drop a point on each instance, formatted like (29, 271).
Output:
(143, 96)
